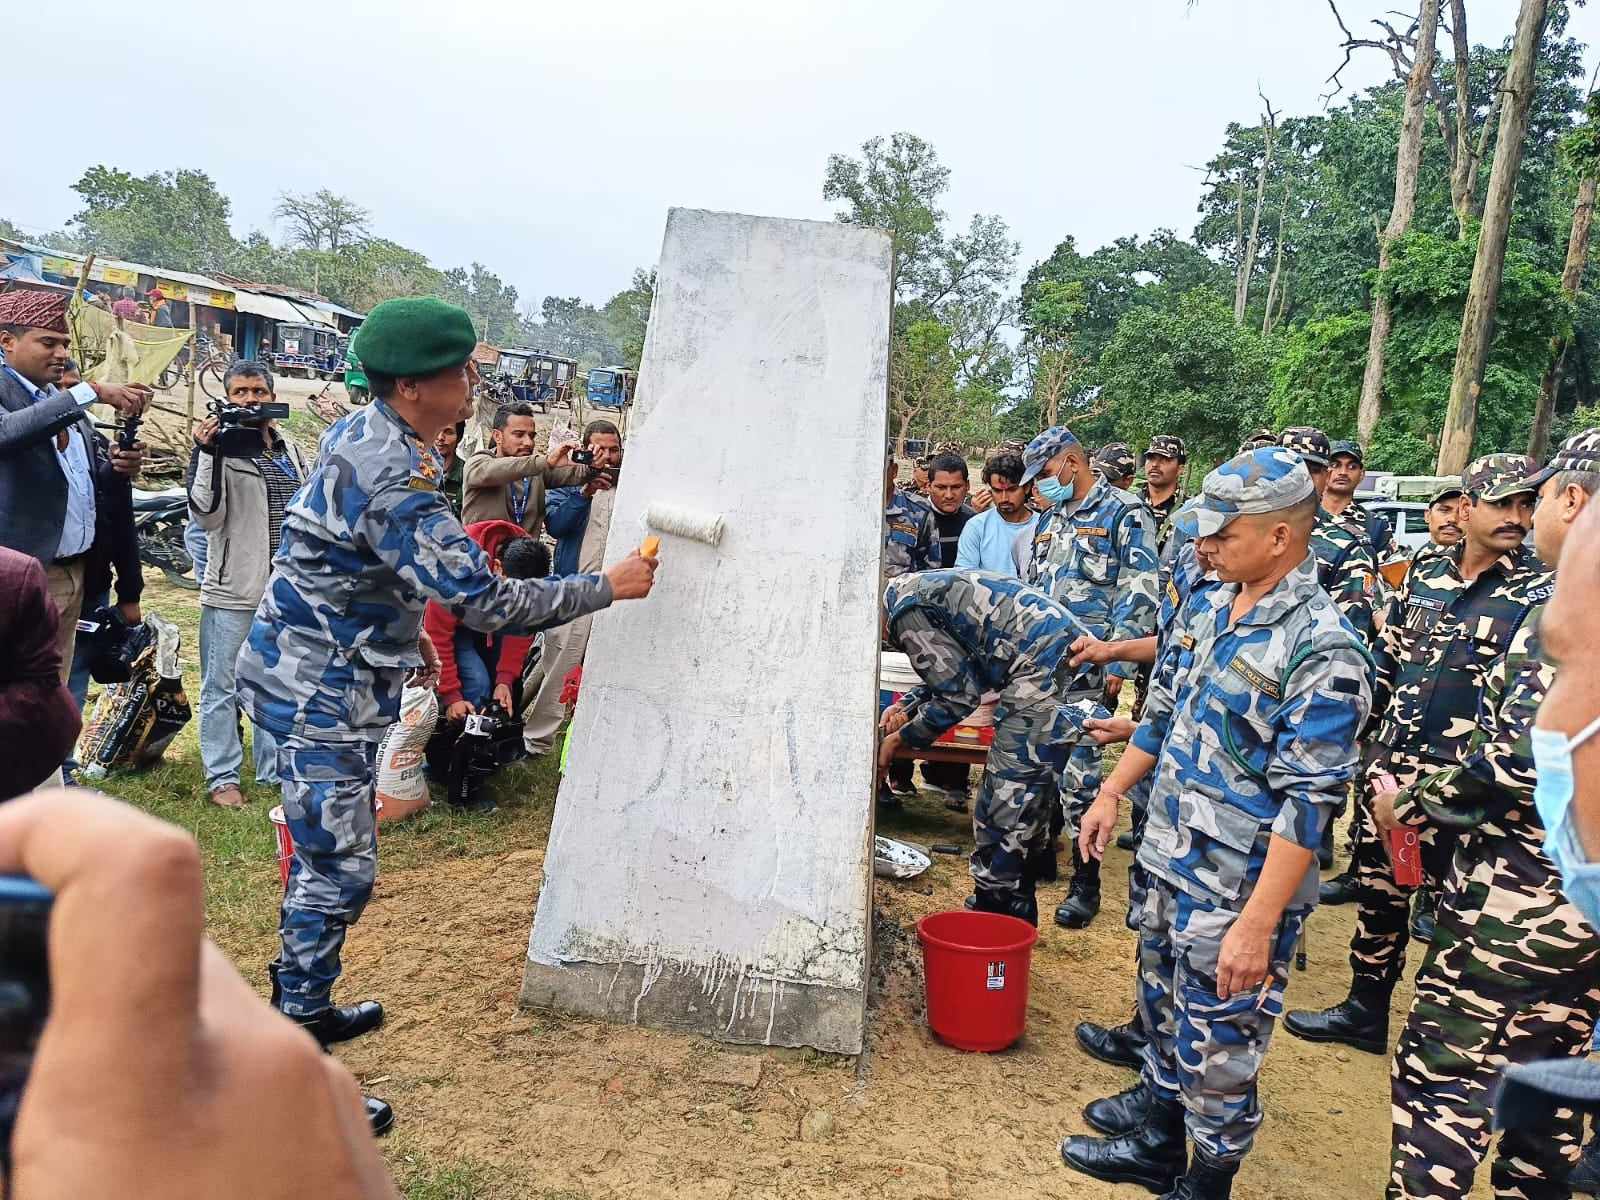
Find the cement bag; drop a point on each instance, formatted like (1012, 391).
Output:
(402, 786)
(134, 722)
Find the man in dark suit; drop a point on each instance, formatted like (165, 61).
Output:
(46, 436)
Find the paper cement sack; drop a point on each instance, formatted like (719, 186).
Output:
(402, 786)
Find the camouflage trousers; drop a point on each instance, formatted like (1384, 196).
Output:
(1383, 908)
(1507, 980)
(1012, 812)
(1138, 878)
(328, 803)
(1204, 1050)
(1080, 782)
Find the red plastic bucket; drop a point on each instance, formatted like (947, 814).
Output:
(280, 826)
(976, 968)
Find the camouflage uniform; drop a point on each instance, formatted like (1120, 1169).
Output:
(1510, 976)
(1097, 559)
(1253, 723)
(1346, 567)
(366, 542)
(971, 632)
(905, 542)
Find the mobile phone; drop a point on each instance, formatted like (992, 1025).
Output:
(24, 992)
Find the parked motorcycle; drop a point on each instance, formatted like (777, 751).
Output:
(159, 519)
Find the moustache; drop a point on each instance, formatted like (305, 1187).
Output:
(1519, 530)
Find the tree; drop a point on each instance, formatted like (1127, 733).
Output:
(894, 187)
(1188, 370)
(490, 302)
(1583, 153)
(172, 219)
(1408, 162)
(572, 327)
(8, 230)
(1477, 320)
(922, 377)
(322, 220)
(627, 315)
(1247, 261)
(1052, 320)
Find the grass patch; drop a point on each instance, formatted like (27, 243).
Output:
(421, 1176)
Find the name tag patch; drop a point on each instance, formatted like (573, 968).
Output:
(1425, 602)
(1093, 531)
(1256, 678)
(418, 483)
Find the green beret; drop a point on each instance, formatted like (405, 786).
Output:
(414, 335)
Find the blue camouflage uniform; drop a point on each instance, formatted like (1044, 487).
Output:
(366, 542)
(1253, 723)
(905, 534)
(971, 632)
(1096, 557)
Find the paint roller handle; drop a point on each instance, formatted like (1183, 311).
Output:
(632, 578)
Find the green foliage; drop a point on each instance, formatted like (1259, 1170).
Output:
(8, 230)
(1317, 379)
(172, 219)
(1187, 370)
(492, 304)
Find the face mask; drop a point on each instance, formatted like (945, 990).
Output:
(1053, 490)
(1552, 796)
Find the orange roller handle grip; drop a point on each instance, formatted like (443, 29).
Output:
(650, 547)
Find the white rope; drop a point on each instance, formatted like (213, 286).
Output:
(684, 523)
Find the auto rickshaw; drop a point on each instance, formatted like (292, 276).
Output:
(310, 351)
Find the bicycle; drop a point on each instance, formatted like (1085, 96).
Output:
(214, 365)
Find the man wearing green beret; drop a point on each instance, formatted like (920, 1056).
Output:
(365, 543)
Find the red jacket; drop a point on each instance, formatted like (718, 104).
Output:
(441, 623)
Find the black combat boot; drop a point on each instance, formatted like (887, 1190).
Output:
(1119, 1045)
(1341, 889)
(1152, 1156)
(330, 1025)
(1361, 1021)
(1206, 1179)
(1019, 903)
(1121, 1114)
(1083, 893)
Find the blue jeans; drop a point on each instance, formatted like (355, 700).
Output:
(477, 676)
(222, 632)
(197, 544)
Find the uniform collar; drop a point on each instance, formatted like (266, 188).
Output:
(382, 406)
(1507, 564)
(1293, 590)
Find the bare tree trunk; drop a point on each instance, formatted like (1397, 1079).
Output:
(1477, 319)
(1247, 265)
(1571, 280)
(1407, 163)
(1277, 265)
(1463, 163)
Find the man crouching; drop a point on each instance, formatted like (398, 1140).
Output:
(1250, 726)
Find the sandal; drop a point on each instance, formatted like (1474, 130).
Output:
(228, 796)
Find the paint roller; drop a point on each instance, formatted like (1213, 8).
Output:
(679, 522)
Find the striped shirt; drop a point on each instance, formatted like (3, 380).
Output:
(277, 471)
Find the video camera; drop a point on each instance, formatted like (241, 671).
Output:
(468, 754)
(239, 426)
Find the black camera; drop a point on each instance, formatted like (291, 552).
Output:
(24, 993)
(466, 755)
(114, 645)
(239, 426)
(583, 457)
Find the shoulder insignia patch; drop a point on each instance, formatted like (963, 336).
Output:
(1172, 593)
(1256, 678)
(420, 483)
(1042, 537)
(1187, 641)
(1541, 593)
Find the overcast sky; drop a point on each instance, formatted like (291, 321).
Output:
(548, 142)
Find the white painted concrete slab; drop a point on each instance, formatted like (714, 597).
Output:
(710, 862)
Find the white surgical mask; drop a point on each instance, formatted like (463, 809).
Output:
(1552, 796)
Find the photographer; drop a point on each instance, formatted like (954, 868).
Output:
(245, 474)
(506, 480)
(579, 519)
(475, 668)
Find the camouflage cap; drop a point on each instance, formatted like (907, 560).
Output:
(1308, 442)
(1114, 460)
(1043, 448)
(1257, 438)
(1257, 481)
(1498, 476)
(1353, 449)
(1450, 491)
(1168, 445)
(1580, 452)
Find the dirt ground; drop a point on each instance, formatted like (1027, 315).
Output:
(558, 1107)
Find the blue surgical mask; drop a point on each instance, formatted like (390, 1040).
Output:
(1552, 796)
(1053, 490)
